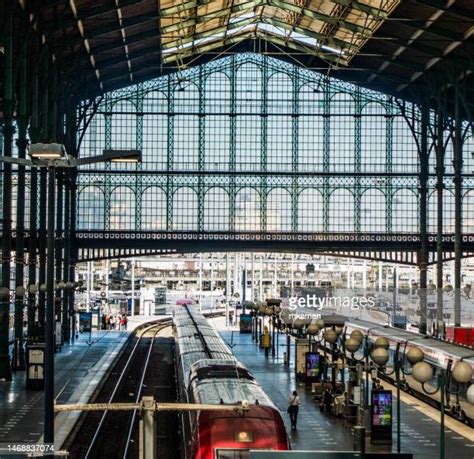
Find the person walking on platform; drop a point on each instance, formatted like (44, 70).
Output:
(293, 408)
(266, 341)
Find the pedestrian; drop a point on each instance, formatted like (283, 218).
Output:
(104, 321)
(327, 400)
(112, 322)
(293, 408)
(107, 322)
(124, 322)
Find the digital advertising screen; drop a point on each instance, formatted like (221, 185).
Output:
(313, 365)
(381, 415)
(245, 323)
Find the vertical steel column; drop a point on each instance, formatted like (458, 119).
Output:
(22, 143)
(440, 153)
(139, 146)
(389, 168)
(50, 318)
(357, 161)
(326, 152)
(8, 131)
(170, 157)
(44, 126)
(294, 150)
(457, 164)
(264, 147)
(42, 250)
(32, 331)
(423, 254)
(201, 149)
(233, 143)
(69, 227)
(66, 327)
(59, 244)
(72, 250)
(107, 179)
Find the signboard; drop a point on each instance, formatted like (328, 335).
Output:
(58, 335)
(313, 366)
(301, 348)
(305, 454)
(381, 416)
(85, 322)
(245, 323)
(95, 320)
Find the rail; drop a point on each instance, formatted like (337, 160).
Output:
(121, 378)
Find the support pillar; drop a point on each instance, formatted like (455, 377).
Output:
(457, 163)
(50, 321)
(423, 253)
(66, 326)
(440, 154)
(8, 131)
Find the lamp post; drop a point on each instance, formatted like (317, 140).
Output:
(462, 375)
(53, 156)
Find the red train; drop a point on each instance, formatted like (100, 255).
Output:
(209, 374)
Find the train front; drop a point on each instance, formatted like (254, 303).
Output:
(231, 435)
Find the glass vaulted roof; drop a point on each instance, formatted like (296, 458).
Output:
(334, 30)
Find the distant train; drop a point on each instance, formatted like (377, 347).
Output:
(438, 353)
(208, 373)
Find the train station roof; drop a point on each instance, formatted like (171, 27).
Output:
(394, 46)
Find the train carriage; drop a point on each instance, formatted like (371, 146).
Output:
(209, 374)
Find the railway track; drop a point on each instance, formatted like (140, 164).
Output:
(113, 434)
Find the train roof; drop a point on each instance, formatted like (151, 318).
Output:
(230, 391)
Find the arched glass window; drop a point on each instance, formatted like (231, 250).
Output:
(310, 211)
(155, 131)
(153, 209)
(122, 209)
(247, 210)
(186, 126)
(280, 122)
(342, 133)
(90, 209)
(448, 212)
(405, 156)
(468, 212)
(217, 122)
(249, 89)
(405, 213)
(372, 211)
(279, 210)
(93, 141)
(185, 209)
(216, 210)
(341, 211)
(124, 125)
(310, 129)
(373, 138)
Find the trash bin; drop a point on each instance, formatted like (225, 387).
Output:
(359, 438)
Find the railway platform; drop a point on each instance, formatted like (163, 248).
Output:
(79, 370)
(318, 431)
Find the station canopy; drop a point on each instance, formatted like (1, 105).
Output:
(400, 47)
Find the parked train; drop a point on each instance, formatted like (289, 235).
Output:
(438, 353)
(208, 373)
